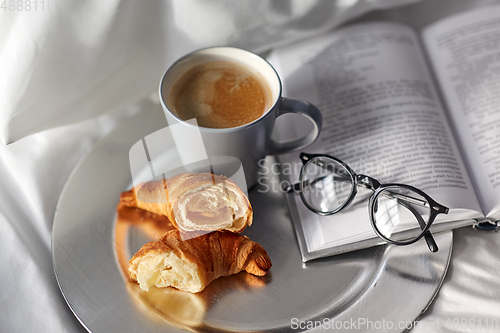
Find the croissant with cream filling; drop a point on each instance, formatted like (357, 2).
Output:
(194, 202)
(192, 264)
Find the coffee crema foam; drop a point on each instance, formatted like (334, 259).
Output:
(220, 94)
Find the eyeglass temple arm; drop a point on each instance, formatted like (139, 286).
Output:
(362, 180)
(363, 183)
(292, 188)
(431, 243)
(372, 184)
(296, 187)
(305, 157)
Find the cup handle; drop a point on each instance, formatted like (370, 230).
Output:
(307, 109)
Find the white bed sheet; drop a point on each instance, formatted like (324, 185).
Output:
(34, 169)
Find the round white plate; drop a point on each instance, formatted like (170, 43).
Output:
(367, 290)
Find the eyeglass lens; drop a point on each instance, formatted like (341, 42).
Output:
(327, 184)
(399, 208)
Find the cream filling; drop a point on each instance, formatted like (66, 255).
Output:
(166, 270)
(210, 208)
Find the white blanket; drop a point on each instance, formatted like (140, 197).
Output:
(64, 66)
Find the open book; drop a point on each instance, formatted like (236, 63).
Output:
(422, 110)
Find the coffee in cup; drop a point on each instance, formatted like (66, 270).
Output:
(220, 94)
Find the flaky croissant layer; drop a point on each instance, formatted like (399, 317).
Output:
(194, 201)
(192, 264)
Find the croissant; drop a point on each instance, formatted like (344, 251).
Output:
(192, 264)
(194, 202)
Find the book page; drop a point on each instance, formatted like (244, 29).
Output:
(465, 53)
(381, 115)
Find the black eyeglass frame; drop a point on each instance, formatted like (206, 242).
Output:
(374, 185)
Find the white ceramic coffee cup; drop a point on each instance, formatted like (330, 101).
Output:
(250, 142)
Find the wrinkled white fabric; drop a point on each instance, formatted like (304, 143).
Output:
(78, 60)
(70, 60)
(469, 300)
(33, 172)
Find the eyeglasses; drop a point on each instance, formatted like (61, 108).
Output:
(327, 185)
